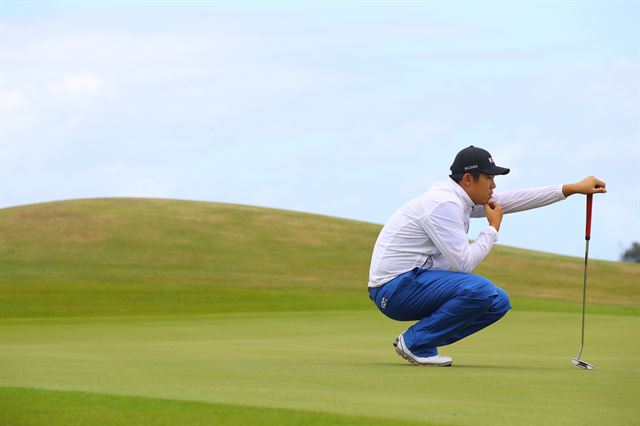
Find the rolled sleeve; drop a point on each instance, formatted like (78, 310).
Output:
(523, 199)
(445, 228)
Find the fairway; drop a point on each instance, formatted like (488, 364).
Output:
(163, 312)
(338, 363)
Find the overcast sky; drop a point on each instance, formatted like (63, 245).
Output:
(346, 109)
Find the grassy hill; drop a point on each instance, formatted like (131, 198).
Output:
(104, 257)
(152, 256)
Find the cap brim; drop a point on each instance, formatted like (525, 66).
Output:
(495, 170)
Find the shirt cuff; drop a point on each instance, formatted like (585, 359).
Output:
(493, 232)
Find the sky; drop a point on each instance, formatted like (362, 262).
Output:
(340, 108)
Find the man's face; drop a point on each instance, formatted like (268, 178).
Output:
(481, 190)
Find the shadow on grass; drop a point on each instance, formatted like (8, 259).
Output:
(466, 366)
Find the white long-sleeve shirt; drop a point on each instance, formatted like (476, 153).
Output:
(430, 231)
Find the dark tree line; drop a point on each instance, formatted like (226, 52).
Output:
(632, 254)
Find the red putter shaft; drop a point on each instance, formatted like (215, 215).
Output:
(587, 232)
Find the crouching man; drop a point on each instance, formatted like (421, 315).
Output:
(422, 259)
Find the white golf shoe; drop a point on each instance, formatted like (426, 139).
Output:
(431, 361)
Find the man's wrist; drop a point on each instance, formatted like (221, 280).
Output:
(568, 189)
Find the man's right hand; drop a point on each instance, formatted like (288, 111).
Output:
(494, 214)
(588, 185)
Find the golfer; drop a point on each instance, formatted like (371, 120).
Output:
(422, 261)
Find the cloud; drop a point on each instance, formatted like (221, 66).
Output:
(81, 86)
(185, 75)
(12, 100)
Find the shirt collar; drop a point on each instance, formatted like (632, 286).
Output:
(462, 195)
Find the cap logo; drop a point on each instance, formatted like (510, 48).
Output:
(490, 160)
(475, 166)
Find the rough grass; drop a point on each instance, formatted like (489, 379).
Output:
(531, 274)
(148, 256)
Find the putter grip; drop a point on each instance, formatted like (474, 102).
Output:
(587, 232)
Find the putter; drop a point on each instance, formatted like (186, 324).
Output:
(587, 236)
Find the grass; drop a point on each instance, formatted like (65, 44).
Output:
(130, 311)
(36, 407)
(336, 363)
(154, 257)
(94, 257)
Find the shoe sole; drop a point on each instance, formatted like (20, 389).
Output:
(403, 355)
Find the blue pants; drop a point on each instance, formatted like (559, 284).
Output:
(447, 305)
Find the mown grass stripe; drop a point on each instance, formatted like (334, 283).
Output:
(37, 407)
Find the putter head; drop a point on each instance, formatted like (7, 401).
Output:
(582, 364)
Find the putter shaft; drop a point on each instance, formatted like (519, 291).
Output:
(584, 297)
(587, 236)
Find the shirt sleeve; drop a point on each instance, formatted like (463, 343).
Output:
(523, 199)
(445, 227)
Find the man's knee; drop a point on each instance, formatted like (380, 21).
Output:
(484, 292)
(479, 292)
(501, 304)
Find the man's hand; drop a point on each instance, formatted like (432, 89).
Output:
(589, 185)
(494, 214)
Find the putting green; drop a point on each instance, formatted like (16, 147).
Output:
(340, 364)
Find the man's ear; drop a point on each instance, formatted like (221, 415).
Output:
(466, 179)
